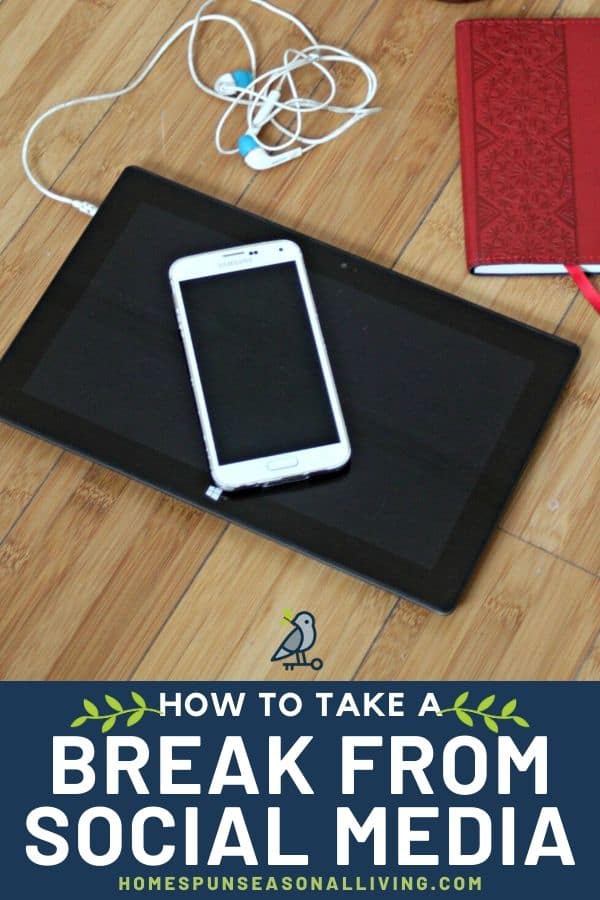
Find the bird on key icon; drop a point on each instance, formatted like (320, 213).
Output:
(299, 640)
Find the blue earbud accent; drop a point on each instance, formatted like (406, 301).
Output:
(242, 78)
(246, 143)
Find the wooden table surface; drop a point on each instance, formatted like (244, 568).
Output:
(101, 577)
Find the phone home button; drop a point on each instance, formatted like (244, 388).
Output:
(284, 462)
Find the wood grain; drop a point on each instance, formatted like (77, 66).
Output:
(242, 620)
(24, 463)
(66, 50)
(104, 578)
(556, 507)
(526, 615)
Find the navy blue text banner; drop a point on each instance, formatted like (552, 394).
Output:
(222, 789)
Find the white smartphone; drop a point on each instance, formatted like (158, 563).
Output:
(259, 368)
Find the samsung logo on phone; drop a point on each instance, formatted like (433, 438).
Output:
(227, 263)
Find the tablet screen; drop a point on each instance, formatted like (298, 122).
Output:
(443, 399)
(424, 403)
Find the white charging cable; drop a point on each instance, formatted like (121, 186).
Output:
(261, 95)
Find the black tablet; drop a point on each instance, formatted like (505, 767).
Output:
(443, 399)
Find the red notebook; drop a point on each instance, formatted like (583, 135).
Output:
(529, 98)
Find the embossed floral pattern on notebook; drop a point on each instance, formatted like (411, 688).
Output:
(523, 146)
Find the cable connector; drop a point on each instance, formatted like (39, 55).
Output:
(213, 492)
(89, 209)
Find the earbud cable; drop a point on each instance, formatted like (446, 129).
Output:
(261, 96)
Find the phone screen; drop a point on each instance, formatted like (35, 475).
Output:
(258, 363)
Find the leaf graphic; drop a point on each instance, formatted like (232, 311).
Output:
(287, 616)
(135, 717)
(464, 717)
(461, 699)
(509, 708)
(113, 703)
(108, 724)
(486, 703)
(491, 724)
(91, 708)
(137, 698)
(79, 721)
(520, 721)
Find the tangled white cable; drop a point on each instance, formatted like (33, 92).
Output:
(260, 94)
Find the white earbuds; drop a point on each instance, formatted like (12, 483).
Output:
(229, 84)
(261, 95)
(259, 159)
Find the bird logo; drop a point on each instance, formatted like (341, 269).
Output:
(300, 639)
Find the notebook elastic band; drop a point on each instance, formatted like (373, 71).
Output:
(591, 294)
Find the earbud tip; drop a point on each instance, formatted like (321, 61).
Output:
(246, 143)
(242, 78)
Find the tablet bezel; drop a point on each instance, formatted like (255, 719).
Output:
(438, 588)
